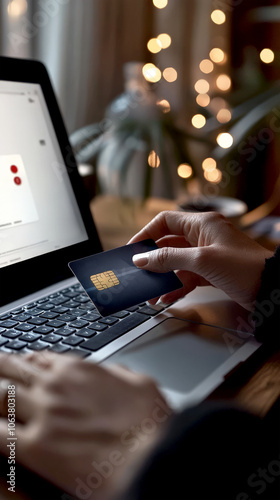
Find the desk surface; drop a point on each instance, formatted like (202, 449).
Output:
(255, 385)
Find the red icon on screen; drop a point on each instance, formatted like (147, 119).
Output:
(14, 169)
(17, 180)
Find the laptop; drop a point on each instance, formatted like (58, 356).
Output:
(45, 223)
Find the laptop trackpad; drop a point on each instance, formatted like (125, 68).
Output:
(179, 354)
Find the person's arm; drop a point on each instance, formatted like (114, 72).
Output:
(83, 427)
(205, 249)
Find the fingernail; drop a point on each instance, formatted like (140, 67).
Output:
(141, 259)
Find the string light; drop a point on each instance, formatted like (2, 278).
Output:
(217, 55)
(198, 121)
(17, 7)
(154, 45)
(202, 86)
(214, 176)
(206, 66)
(165, 105)
(203, 100)
(224, 115)
(223, 82)
(267, 56)
(218, 16)
(160, 4)
(184, 171)
(225, 140)
(151, 73)
(153, 160)
(209, 164)
(165, 40)
(170, 74)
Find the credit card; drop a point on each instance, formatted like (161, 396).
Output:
(113, 282)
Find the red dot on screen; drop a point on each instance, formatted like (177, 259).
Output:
(17, 180)
(14, 169)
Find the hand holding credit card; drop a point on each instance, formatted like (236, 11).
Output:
(114, 283)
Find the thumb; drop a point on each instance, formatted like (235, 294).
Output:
(167, 259)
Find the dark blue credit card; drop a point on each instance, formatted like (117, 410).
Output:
(114, 283)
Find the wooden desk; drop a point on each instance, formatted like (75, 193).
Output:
(255, 385)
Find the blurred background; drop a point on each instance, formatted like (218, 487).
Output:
(175, 100)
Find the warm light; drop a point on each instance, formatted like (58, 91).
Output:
(223, 82)
(202, 86)
(198, 121)
(165, 40)
(209, 164)
(225, 140)
(206, 66)
(214, 176)
(151, 73)
(165, 105)
(154, 45)
(160, 4)
(153, 160)
(170, 74)
(217, 55)
(224, 115)
(217, 103)
(218, 16)
(17, 7)
(267, 56)
(184, 170)
(203, 100)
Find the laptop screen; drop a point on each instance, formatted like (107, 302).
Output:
(45, 221)
(38, 208)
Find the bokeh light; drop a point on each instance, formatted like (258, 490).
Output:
(214, 176)
(165, 40)
(218, 16)
(223, 82)
(153, 160)
(160, 4)
(206, 66)
(225, 140)
(184, 170)
(209, 164)
(151, 73)
(198, 121)
(217, 55)
(154, 45)
(202, 86)
(203, 100)
(170, 74)
(165, 105)
(267, 56)
(16, 8)
(224, 115)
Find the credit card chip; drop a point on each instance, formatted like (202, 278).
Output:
(105, 280)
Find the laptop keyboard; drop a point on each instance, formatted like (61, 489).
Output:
(67, 322)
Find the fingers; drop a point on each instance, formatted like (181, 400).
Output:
(168, 259)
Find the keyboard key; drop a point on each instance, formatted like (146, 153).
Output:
(121, 314)
(132, 308)
(23, 317)
(2, 330)
(72, 340)
(18, 310)
(109, 320)
(115, 331)
(49, 315)
(8, 323)
(58, 301)
(25, 327)
(55, 323)
(35, 311)
(98, 327)
(37, 346)
(52, 338)
(78, 323)
(3, 341)
(37, 321)
(86, 333)
(68, 317)
(29, 337)
(150, 310)
(5, 316)
(60, 309)
(59, 348)
(17, 345)
(11, 334)
(65, 331)
(91, 317)
(43, 329)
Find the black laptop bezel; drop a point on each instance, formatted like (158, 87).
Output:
(29, 276)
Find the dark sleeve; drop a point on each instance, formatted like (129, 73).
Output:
(211, 451)
(267, 309)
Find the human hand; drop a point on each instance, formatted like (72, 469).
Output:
(82, 427)
(205, 249)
